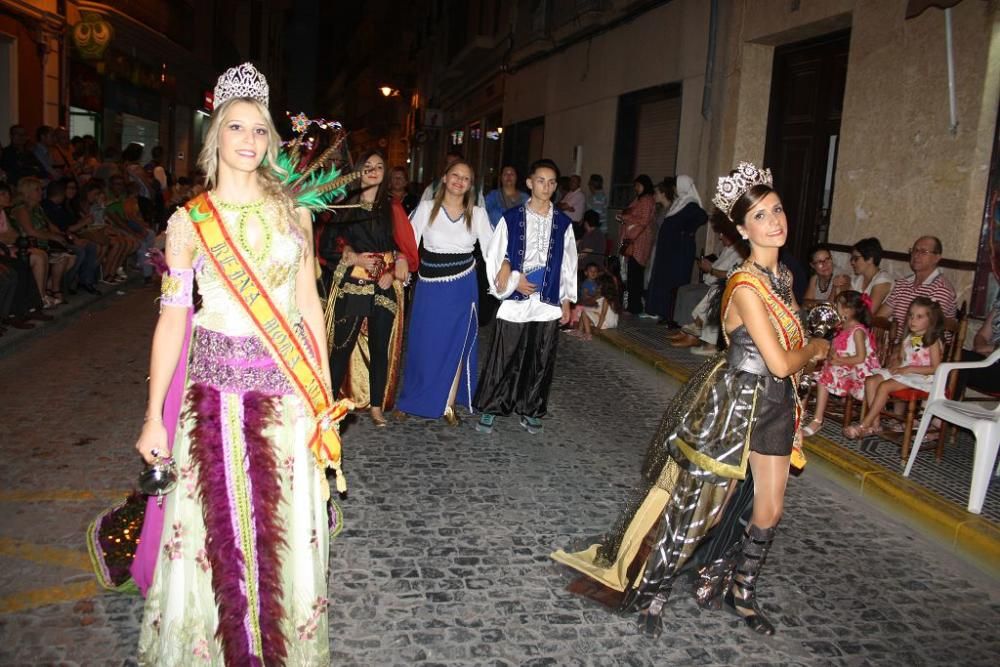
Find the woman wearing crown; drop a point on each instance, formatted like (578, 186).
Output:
(735, 419)
(241, 575)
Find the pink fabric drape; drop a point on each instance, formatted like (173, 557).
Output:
(146, 553)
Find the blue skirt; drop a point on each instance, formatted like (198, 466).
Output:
(442, 340)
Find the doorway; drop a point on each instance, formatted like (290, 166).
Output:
(803, 133)
(8, 84)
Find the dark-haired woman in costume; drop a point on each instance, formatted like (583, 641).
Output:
(737, 417)
(364, 309)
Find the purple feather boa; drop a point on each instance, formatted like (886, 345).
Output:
(258, 414)
(222, 545)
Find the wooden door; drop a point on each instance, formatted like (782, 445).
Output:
(807, 95)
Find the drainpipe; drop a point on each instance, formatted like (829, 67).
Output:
(949, 45)
(713, 28)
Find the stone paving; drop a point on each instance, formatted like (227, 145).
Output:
(444, 559)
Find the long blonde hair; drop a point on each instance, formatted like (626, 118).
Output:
(268, 171)
(468, 199)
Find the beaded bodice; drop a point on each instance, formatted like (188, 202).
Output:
(275, 259)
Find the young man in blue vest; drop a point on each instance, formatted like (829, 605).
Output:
(533, 257)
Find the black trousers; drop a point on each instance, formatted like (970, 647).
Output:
(983, 379)
(633, 285)
(345, 337)
(26, 296)
(8, 289)
(518, 371)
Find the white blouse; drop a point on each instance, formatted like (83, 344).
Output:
(447, 236)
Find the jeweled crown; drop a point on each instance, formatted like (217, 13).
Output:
(732, 187)
(241, 81)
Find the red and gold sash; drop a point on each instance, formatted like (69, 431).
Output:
(286, 349)
(784, 320)
(787, 327)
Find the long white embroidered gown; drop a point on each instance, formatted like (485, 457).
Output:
(252, 587)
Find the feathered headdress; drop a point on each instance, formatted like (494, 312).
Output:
(309, 166)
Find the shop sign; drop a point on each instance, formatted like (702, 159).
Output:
(91, 35)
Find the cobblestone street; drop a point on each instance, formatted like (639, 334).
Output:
(444, 558)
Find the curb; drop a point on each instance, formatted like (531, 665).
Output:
(968, 535)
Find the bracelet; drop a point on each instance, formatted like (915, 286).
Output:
(147, 418)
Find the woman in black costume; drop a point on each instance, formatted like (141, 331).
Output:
(365, 304)
(737, 417)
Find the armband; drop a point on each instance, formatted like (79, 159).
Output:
(177, 288)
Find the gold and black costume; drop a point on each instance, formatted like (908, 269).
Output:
(364, 322)
(695, 478)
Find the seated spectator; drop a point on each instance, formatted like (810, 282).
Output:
(603, 314)
(926, 280)
(703, 329)
(592, 246)
(823, 285)
(986, 380)
(100, 230)
(18, 260)
(29, 220)
(868, 278)
(124, 212)
(59, 212)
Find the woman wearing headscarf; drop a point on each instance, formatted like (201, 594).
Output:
(675, 247)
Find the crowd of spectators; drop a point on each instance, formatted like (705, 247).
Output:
(73, 220)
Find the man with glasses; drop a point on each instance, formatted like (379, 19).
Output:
(926, 280)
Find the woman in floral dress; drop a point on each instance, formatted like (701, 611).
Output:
(242, 571)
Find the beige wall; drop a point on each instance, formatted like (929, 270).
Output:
(577, 90)
(900, 171)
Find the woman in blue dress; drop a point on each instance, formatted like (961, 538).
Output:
(440, 366)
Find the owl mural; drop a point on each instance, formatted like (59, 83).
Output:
(92, 35)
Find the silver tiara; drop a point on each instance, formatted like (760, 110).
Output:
(241, 81)
(731, 188)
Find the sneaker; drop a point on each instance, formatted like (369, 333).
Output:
(647, 316)
(532, 425)
(485, 424)
(703, 350)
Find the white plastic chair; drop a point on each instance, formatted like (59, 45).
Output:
(982, 421)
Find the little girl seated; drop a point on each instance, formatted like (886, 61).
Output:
(587, 297)
(852, 356)
(603, 315)
(914, 363)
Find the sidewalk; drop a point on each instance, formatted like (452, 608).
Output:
(64, 315)
(933, 498)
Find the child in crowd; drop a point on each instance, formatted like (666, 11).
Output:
(588, 291)
(852, 356)
(603, 315)
(914, 364)
(532, 261)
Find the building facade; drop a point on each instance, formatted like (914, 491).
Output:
(847, 100)
(141, 71)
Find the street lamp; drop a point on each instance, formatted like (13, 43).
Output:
(388, 91)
